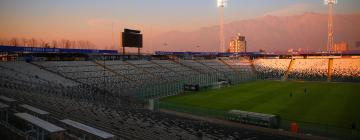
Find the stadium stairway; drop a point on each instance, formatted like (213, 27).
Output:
(253, 69)
(54, 72)
(286, 75)
(229, 66)
(330, 69)
(226, 64)
(197, 61)
(142, 69)
(177, 62)
(166, 68)
(112, 71)
(58, 73)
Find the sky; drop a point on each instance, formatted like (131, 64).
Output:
(95, 20)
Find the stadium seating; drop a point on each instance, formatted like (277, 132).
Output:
(98, 92)
(309, 69)
(87, 72)
(23, 68)
(156, 70)
(124, 77)
(128, 70)
(197, 66)
(271, 68)
(217, 65)
(179, 69)
(19, 72)
(240, 65)
(346, 70)
(133, 123)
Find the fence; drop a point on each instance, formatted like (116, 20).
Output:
(192, 110)
(159, 90)
(304, 127)
(164, 89)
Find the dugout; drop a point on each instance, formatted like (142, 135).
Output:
(253, 118)
(4, 112)
(191, 87)
(36, 128)
(198, 87)
(34, 111)
(9, 101)
(78, 130)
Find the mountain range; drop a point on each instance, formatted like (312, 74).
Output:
(270, 33)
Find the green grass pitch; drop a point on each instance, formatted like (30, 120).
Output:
(335, 104)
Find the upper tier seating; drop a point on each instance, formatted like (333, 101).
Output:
(24, 69)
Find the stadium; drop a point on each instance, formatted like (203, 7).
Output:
(97, 94)
(65, 76)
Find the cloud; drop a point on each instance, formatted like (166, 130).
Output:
(290, 10)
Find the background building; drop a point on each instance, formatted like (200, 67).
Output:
(238, 44)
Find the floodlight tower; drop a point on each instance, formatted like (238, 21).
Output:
(330, 41)
(221, 4)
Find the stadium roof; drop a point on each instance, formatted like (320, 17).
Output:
(204, 53)
(54, 50)
(278, 53)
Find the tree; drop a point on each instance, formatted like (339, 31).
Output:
(33, 42)
(73, 44)
(2, 41)
(63, 43)
(24, 42)
(54, 44)
(67, 44)
(14, 42)
(42, 43)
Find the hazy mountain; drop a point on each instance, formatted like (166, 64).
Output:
(271, 33)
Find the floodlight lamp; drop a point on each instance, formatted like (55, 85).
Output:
(327, 2)
(221, 3)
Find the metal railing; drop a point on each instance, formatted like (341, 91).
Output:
(165, 89)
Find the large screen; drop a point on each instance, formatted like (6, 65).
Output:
(131, 39)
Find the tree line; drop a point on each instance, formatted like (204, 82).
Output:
(33, 42)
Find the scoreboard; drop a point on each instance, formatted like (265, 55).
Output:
(132, 38)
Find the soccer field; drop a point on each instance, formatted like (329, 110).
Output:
(336, 104)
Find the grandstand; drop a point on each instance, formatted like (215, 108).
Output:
(309, 69)
(271, 68)
(176, 67)
(346, 70)
(112, 95)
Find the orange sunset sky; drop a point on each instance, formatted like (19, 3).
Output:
(94, 20)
